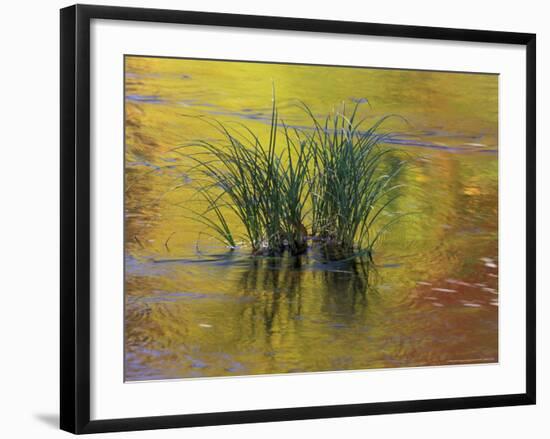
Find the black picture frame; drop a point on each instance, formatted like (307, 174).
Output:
(75, 217)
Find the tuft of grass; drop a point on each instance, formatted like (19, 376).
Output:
(264, 187)
(351, 186)
(327, 184)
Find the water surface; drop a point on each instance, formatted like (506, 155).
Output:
(195, 309)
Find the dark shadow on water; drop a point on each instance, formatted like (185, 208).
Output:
(49, 419)
(286, 291)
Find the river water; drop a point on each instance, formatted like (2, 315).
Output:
(195, 309)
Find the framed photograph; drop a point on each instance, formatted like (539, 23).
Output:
(269, 219)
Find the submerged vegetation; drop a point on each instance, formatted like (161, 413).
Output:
(326, 185)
